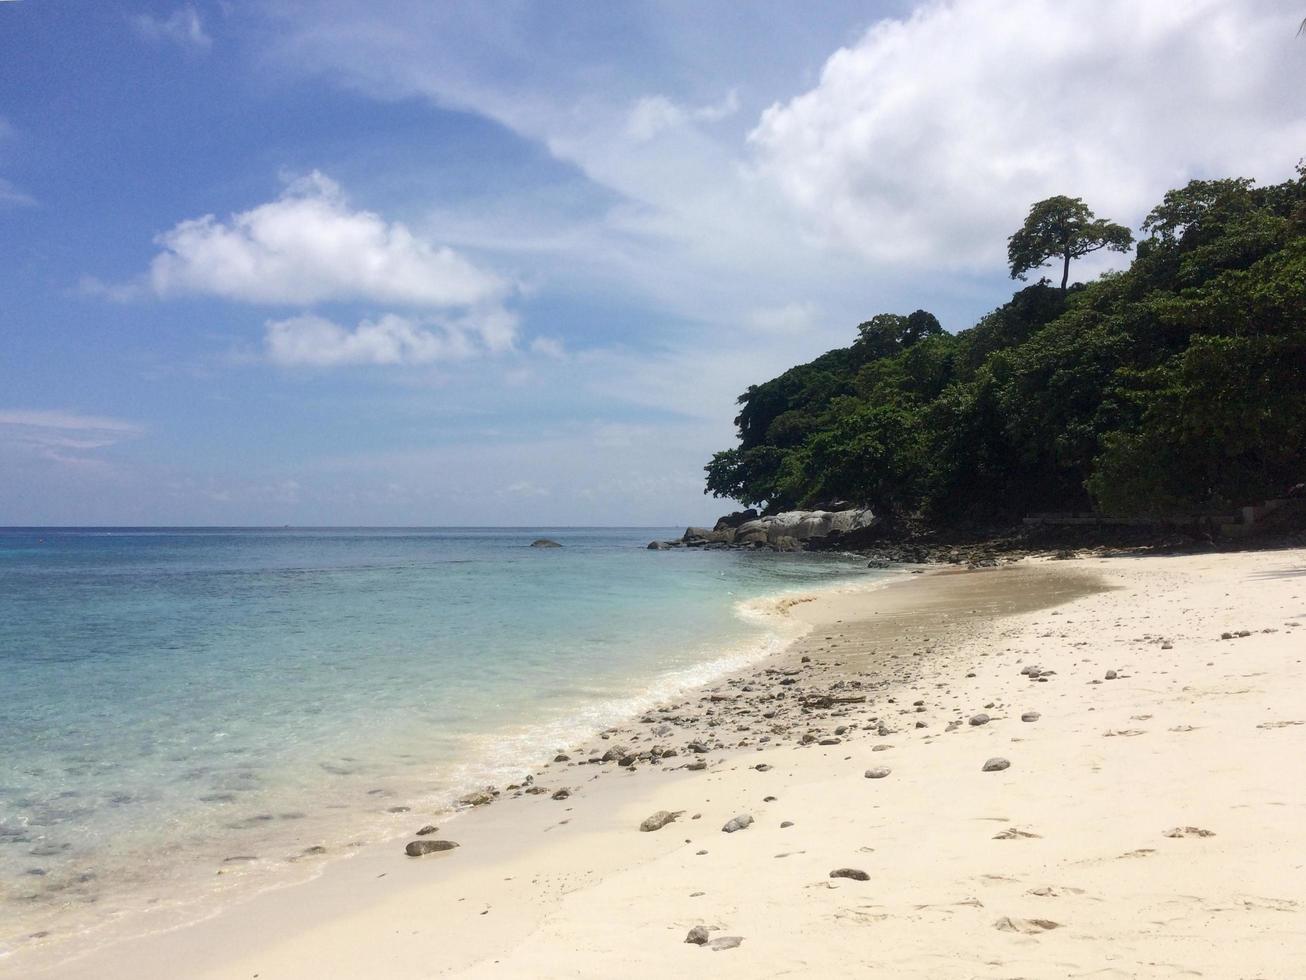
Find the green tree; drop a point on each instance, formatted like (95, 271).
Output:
(1062, 227)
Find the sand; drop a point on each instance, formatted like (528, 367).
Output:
(1149, 825)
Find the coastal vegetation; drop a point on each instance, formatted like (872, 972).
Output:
(1175, 386)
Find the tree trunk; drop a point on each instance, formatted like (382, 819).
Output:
(1065, 271)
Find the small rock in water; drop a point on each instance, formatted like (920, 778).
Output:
(856, 874)
(697, 936)
(545, 543)
(478, 797)
(419, 847)
(996, 764)
(1030, 716)
(725, 942)
(659, 820)
(430, 828)
(879, 772)
(740, 822)
(980, 719)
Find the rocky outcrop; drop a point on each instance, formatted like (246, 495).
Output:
(794, 530)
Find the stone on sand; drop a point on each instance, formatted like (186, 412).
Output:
(741, 822)
(419, 847)
(996, 764)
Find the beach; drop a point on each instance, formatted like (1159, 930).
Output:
(1149, 822)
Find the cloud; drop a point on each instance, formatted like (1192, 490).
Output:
(654, 114)
(314, 341)
(61, 436)
(310, 246)
(549, 347)
(925, 142)
(183, 26)
(13, 197)
(787, 319)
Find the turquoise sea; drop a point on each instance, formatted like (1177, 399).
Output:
(175, 703)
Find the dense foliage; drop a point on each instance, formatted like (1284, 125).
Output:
(1176, 386)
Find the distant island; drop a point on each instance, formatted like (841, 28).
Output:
(1175, 387)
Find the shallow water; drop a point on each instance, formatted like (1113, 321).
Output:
(184, 711)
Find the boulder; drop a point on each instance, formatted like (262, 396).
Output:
(419, 847)
(803, 525)
(731, 521)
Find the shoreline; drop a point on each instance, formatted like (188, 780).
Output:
(532, 877)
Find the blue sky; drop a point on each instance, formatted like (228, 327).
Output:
(510, 263)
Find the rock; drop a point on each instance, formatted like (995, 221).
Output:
(762, 767)
(427, 830)
(1111, 675)
(545, 543)
(659, 820)
(562, 757)
(1189, 832)
(996, 764)
(419, 847)
(979, 719)
(562, 794)
(478, 797)
(741, 822)
(879, 772)
(1030, 716)
(659, 546)
(697, 936)
(697, 766)
(855, 874)
(725, 942)
(786, 823)
(697, 747)
(828, 741)
(615, 754)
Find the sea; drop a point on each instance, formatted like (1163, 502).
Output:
(190, 713)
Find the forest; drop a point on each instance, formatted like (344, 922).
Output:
(1174, 387)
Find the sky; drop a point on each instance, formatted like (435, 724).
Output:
(501, 263)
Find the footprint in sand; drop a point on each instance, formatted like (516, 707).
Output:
(1027, 927)
(1272, 904)
(1125, 732)
(1279, 724)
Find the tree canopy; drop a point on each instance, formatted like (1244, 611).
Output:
(1062, 228)
(1177, 385)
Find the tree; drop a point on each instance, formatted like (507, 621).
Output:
(1062, 227)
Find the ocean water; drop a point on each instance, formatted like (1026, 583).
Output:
(185, 712)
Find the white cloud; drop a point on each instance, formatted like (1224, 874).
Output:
(13, 197)
(655, 114)
(315, 341)
(183, 26)
(787, 319)
(61, 436)
(309, 246)
(925, 142)
(549, 347)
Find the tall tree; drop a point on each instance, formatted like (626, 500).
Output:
(1062, 227)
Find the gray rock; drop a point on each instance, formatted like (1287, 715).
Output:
(615, 754)
(697, 936)
(879, 772)
(855, 874)
(427, 830)
(419, 847)
(725, 942)
(1030, 716)
(545, 543)
(996, 764)
(478, 797)
(979, 719)
(786, 823)
(659, 820)
(697, 766)
(740, 822)
(1111, 675)
(562, 794)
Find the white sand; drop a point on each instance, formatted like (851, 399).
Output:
(1208, 734)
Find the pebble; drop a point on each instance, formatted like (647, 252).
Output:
(419, 847)
(562, 794)
(980, 719)
(1111, 675)
(996, 764)
(879, 772)
(854, 873)
(740, 822)
(428, 829)
(1030, 716)
(697, 936)
(786, 823)
(725, 942)
(659, 820)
